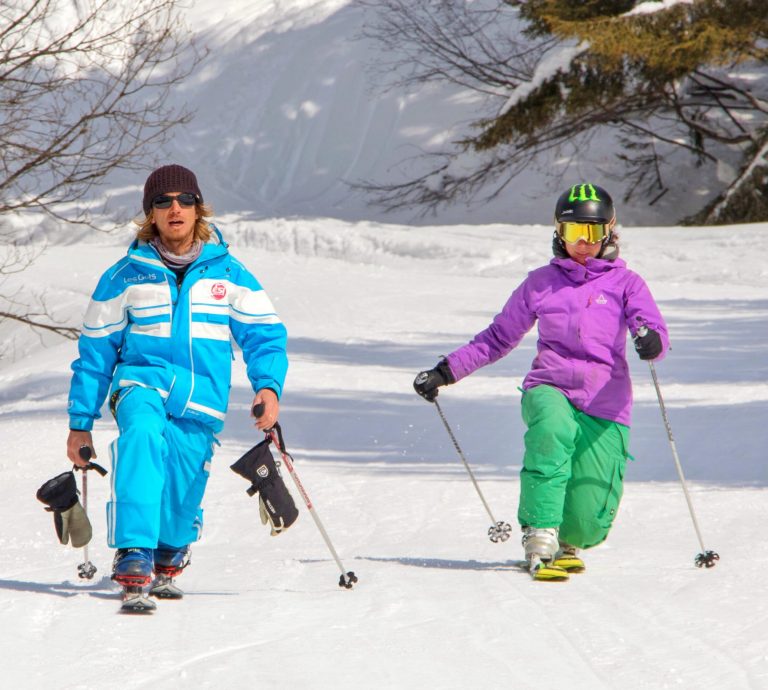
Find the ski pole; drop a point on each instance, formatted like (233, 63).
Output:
(498, 531)
(706, 558)
(348, 578)
(86, 570)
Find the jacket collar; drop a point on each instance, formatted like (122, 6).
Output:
(592, 269)
(144, 253)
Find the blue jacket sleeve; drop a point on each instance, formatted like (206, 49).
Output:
(259, 332)
(99, 346)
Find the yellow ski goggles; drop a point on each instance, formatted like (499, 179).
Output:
(591, 233)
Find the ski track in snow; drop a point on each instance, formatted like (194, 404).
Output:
(438, 605)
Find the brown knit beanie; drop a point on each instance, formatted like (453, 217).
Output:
(170, 178)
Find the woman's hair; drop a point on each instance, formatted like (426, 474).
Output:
(147, 229)
(610, 249)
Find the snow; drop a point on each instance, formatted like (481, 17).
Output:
(559, 59)
(759, 160)
(656, 6)
(367, 306)
(285, 117)
(291, 109)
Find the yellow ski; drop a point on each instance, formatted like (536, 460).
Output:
(570, 563)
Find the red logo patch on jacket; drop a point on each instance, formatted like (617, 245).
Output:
(218, 290)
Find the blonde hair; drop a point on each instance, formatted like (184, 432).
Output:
(147, 229)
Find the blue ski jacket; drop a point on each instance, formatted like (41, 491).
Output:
(144, 329)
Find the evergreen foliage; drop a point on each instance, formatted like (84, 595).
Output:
(746, 200)
(632, 64)
(681, 86)
(679, 65)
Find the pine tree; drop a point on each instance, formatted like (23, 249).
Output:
(681, 85)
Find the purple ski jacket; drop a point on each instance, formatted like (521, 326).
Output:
(583, 314)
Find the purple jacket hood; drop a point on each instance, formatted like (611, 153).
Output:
(583, 314)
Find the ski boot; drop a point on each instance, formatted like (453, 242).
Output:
(132, 569)
(169, 562)
(540, 546)
(568, 559)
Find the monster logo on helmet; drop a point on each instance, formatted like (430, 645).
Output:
(585, 203)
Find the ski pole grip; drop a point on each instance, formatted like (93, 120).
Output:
(91, 466)
(258, 410)
(86, 453)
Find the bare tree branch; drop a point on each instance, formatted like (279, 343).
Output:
(83, 90)
(68, 332)
(542, 88)
(84, 87)
(452, 42)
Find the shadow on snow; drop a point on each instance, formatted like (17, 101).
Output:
(715, 343)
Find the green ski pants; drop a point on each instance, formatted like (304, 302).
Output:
(573, 468)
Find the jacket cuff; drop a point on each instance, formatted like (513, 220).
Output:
(270, 385)
(80, 423)
(445, 371)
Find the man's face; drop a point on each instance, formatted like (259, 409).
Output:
(175, 224)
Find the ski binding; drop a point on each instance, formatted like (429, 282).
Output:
(544, 571)
(135, 601)
(164, 587)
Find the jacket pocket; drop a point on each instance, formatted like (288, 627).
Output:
(117, 397)
(613, 497)
(616, 489)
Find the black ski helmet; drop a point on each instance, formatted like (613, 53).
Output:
(585, 203)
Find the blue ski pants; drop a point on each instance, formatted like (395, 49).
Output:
(160, 468)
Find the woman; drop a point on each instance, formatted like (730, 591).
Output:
(157, 336)
(577, 396)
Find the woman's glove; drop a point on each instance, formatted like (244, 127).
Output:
(648, 345)
(427, 382)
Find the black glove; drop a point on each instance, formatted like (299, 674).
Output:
(276, 505)
(69, 518)
(648, 345)
(426, 383)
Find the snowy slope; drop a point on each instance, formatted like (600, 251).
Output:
(286, 114)
(289, 111)
(438, 605)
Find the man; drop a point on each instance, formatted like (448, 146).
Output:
(156, 336)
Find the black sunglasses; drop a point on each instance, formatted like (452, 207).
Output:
(185, 200)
